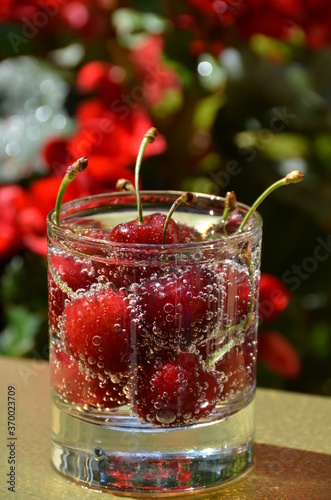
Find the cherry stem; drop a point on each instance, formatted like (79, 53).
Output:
(124, 185)
(78, 166)
(63, 286)
(230, 205)
(291, 178)
(187, 198)
(150, 136)
(241, 327)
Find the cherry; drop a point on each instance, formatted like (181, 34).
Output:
(230, 221)
(235, 374)
(67, 378)
(74, 273)
(232, 225)
(178, 309)
(83, 387)
(97, 329)
(150, 231)
(236, 287)
(175, 392)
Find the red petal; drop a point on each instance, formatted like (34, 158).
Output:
(57, 155)
(274, 297)
(278, 354)
(9, 240)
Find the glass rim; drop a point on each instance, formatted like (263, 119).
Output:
(69, 235)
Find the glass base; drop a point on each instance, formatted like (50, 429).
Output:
(153, 460)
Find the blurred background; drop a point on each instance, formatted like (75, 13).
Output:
(241, 94)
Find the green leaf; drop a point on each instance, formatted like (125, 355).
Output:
(321, 340)
(18, 337)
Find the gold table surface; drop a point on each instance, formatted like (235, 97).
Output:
(293, 451)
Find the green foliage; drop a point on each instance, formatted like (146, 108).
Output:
(22, 327)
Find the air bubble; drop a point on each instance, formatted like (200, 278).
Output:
(156, 330)
(168, 308)
(209, 315)
(96, 340)
(166, 417)
(117, 327)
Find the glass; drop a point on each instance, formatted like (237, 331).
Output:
(152, 347)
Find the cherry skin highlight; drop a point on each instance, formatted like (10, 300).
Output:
(149, 232)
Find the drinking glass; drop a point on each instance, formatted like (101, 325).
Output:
(152, 346)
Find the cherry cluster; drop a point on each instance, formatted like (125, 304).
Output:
(171, 335)
(142, 335)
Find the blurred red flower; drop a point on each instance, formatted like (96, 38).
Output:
(17, 10)
(276, 18)
(111, 126)
(12, 200)
(56, 16)
(314, 17)
(272, 18)
(274, 297)
(156, 78)
(110, 139)
(278, 354)
(24, 212)
(274, 350)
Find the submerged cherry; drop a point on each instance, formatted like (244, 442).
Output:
(74, 273)
(83, 387)
(178, 309)
(97, 328)
(175, 392)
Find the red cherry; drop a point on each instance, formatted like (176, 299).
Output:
(150, 232)
(233, 223)
(73, 271)
(97, 328)
(104, 393)
(235, 284)
(67, 378)
(178, 309)
(230, 226)
(175, 392)
(235, 374)
(81, 387)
